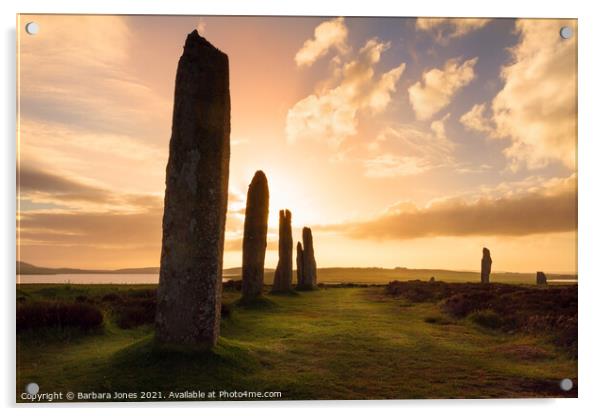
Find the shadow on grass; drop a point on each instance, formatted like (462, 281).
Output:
(147, 366)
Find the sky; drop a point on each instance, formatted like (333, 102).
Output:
(401, 142)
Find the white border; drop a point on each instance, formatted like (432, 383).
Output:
(590, 207)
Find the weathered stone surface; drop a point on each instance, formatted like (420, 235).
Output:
(254, 241)
(196, 198)
(309, 269)
(486, 265)
(283, 276)
(541, 278)
(299, 265)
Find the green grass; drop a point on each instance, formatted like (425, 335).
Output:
(333, 343)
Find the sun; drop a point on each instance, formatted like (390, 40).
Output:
(287, 192)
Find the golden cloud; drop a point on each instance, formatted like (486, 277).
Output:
(65, 191)
(85, 216)
(537, 107)
(438, 126)
(327, 35)
(389, 165)
(449, 28)
(332, 115)
(438, 86)
(552, 207)
(474, 119)
(408, 150)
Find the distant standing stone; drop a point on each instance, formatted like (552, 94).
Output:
(541, 278)
(283, 277)
(486, 265)
(309, 269)
(196, 198)
(255, 236)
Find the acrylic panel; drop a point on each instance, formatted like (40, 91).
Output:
(295, 208)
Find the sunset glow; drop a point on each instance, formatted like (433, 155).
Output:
(400, 141)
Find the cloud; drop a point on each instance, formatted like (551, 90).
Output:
(438, 86)
(87, 213)
(81, 151)
(100, 229)
(63, 191)
(64, 220)
(474, 119)
(60, 187)
(438, 126)
(446, 29)
(84, 109)
(537, 107)
(327, 35)
(33, 180)
(408, 150)
(86, 80)
(84, 113)
(551, 207)
(103, 238)
(332, 114)
(388, 165)
(74, 236)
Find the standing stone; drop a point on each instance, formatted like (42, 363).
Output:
(300, 282)
(254, 241)
(196, 198)
(308, 263)
(541, 278)
(486, 265)
(283, 277)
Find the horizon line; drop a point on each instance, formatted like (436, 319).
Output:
(573, 273)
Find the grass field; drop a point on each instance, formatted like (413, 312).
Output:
(333, 343)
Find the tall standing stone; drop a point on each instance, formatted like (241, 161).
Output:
(196, 198)
(283, 277)
(300, 281)
(309, 269)
(309, 260)
(486, 265)
(254, 241)
(541, 279)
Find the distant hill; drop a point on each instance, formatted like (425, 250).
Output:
(27, 268)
